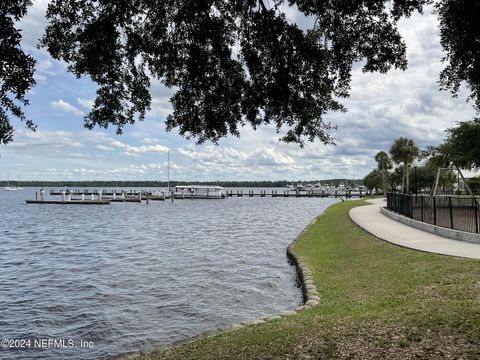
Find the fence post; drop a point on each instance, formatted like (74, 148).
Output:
(407, 205)
(476, 213)
(451, 211)
(434, 204)
(410, 206)
(421, 207)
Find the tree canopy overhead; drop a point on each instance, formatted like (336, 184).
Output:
(16, 68)
(461, 148)
(230, 62)
(460, 39)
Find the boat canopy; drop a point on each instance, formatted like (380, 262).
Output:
(197, 187)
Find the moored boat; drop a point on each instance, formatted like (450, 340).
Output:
(9, 187)
(12, 188)
(198, 192)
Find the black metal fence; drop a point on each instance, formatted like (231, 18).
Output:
(453, 212)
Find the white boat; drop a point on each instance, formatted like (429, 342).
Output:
(340, 190)
(358, 190)
(300, 187)
(11, 188)
(198, 192)
(310, 187)
(320, 189)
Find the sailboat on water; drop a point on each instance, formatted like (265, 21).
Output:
(11, 188)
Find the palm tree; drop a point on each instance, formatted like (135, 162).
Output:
(404, 150)
(384, 164)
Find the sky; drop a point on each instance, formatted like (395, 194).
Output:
(381, 108)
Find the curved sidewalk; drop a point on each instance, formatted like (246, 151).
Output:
(372, 220)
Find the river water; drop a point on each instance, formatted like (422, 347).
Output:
(91, 282)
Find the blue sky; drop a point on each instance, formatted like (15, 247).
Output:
(380, 109)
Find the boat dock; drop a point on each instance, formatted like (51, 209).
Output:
(105, 197)
(300, 193)
(97, 197)
(69, 202)
(117, 195)
(85, 198)
(96, 192)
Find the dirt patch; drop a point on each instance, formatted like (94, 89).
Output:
(375, 340)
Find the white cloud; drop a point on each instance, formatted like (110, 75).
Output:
(103, 148)
(85, 103)
(66, 107)
(33, 25)
(136, 150)
(212, 159)
(49, 138)
(270, 157)
(154, 148)
(78, 156)
(45, 66)
(95, 137)
(161, 106)
(150, 141)
(126, 153)
(117, 143)
(39, 78)
(30, 145)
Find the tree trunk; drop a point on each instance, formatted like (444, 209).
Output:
(403, 178)
(384, 182)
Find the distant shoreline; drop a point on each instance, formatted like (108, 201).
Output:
(133, 183)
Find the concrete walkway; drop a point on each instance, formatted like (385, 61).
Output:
(372, 220)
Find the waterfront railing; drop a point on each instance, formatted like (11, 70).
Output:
(453, 212)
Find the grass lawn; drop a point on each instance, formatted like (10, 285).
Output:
(376, 301)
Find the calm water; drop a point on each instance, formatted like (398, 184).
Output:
(131, 276)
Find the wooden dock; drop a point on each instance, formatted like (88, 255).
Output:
(120, 199)
(287, 193)
(96, 197)
(69, 202)
(104, 197)
(111, 194)
(95, 192)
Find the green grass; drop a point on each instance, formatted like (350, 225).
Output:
(376, 301)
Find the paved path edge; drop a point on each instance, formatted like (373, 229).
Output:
(371, 220)
(433, 229)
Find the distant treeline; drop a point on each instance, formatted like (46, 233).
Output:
(141, 184)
